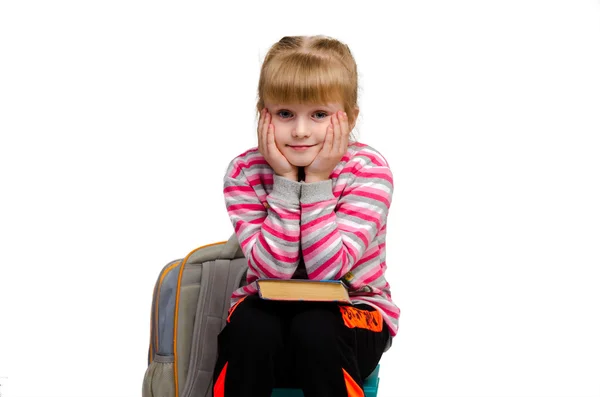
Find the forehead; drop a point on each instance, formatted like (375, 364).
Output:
(304, 106)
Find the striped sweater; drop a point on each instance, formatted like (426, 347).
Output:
(320, 230)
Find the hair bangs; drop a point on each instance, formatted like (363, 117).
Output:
(303, 78)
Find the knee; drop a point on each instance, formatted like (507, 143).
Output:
(251, 327)
(315, 331)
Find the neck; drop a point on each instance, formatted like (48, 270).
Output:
(301, 174)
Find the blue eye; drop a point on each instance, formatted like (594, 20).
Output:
(282, 112)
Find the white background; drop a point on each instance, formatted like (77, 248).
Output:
(118, 119)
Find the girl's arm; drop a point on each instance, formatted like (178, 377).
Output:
(269, 233)
(334, 240)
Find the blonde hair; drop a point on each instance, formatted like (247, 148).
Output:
(309, 69)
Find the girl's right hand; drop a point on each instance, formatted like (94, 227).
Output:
(269, 150)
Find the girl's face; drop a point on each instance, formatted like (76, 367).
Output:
(300, 129)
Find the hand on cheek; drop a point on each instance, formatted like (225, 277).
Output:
(268, 148)
(334, 148)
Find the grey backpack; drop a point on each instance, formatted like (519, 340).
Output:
(190, 304)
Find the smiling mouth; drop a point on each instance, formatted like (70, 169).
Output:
(300, 146)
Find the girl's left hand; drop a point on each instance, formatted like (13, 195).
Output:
(334, 148)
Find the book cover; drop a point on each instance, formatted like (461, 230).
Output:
(303, 290)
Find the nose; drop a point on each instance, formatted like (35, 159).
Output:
(301, 129)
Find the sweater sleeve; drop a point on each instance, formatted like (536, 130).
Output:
(335, 239)
(269, 234)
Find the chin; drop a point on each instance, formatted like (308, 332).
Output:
(300, 163)
(300, 159)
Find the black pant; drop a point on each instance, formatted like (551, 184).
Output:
(327, 349)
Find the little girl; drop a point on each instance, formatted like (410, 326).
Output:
(306, 203)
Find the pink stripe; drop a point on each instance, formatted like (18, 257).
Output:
(368, 256)
(229, 190)
(362, 234)
(337, 192)
(246, 206)
(251, 150)
(344, 159)
(267, 179)
(317, 226)
(383, 265)
(384, 199)
(326, 267)
(252, 161)
(244, 213)
(255, 181)
(280, 233)
(372, 276)
(248, 240)
(393, 312)
(275, 255)
(372, 212)
(260, 266)
(374, 158)
(251, 278)
(327, 218)
(376, 191)
(324, 242)
(376, 173)
(364, 217)
(246, 159)
(244, 291)
(287, 215)
(362, 213)
(235, 172)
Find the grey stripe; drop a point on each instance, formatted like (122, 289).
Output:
(371, 202)
(324, 256)
(362, 223)
(266, 257)
(306, 218)
(318, 234)
(377, 183)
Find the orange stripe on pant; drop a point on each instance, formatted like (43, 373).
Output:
(352, 387)
(234, 307)
(357, 318)
(219, 387)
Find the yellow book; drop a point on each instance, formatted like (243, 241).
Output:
(303, 290)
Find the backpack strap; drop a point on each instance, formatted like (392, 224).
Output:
(231, 249)
(219, 279)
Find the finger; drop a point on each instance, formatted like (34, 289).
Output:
(337, 134)
(345, 133)
(265, 133)
(260, 120)
(259, 129)
(271, 148)
(328, 144)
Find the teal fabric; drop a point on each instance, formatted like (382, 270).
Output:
(370, 386)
